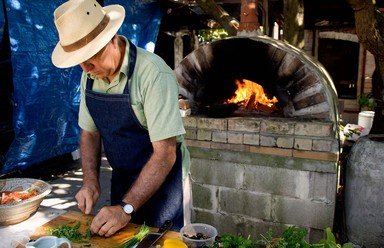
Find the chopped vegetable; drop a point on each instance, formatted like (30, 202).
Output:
(174, 243)
(144, 230)
(71, 232)
(8, 197)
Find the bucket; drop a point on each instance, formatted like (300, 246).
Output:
(366, 119)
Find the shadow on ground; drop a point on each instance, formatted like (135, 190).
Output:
(65, 176)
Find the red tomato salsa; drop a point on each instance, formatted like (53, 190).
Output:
(7, 197)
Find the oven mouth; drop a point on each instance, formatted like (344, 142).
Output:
(207, 77)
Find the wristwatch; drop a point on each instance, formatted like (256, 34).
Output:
(128, 208)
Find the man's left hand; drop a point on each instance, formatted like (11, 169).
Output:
(109, 220)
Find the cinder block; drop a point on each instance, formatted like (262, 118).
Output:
(249, 203)
(217, 173)
(204, 197)
(303, 212)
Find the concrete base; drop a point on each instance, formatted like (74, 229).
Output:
(364, 189)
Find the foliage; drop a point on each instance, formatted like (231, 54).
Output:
(210, 35)
(292, 237)
(366, 100)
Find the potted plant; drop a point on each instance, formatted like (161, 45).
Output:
(366, 101)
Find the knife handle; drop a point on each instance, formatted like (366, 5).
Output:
(166, 226)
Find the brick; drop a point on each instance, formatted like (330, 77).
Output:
(190, 121)
(251, 139)
(271, 151)
(277, 127)
(211, 123)
(285, 142)
(267, 140)
(303, 144)
(316, 129)
(235, 138)
(190, 134)
(231, 147)
(322, 145)
(197, 143)
(327, 156)
(244, 124)
(204, 134)
(220, 136)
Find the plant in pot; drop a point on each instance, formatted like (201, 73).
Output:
(366, 101)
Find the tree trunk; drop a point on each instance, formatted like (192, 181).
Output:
(369, 24)
(293, 29)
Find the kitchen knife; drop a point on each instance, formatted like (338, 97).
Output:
(152, 237)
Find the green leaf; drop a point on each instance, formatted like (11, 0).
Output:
(330, 236)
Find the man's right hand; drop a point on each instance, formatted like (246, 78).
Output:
(87, 197)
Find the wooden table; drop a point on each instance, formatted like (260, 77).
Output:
(96, 241)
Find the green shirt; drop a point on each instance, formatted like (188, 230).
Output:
(154, 92)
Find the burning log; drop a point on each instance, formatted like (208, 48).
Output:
(251, 102)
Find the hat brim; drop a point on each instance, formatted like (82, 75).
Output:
(62, 59)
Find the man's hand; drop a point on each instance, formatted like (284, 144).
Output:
(87, 197)
(109, 220)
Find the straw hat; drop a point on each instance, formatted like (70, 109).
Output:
(84, 28)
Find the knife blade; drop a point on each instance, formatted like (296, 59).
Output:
(152, 237)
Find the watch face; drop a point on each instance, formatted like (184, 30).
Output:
(128, 208)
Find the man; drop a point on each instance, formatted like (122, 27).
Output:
(129, 106)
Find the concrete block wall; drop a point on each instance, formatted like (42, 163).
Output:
(251, 174)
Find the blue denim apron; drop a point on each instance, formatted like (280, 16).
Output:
(128, 147)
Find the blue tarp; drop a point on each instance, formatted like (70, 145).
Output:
(46, 99)
(2, 21)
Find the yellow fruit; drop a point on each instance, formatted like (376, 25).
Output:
(174, 243)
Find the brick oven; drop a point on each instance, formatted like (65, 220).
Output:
(258, 170)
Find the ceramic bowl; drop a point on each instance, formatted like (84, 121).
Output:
(19, 211)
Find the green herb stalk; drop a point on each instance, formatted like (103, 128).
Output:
(144, 230)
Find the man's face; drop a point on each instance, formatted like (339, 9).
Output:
(101, 65)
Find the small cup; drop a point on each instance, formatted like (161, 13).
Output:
(48, 242)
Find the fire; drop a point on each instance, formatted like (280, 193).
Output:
(250, 95)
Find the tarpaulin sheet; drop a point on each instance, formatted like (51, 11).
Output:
(142, 21)
(2, 21)
(46, 98)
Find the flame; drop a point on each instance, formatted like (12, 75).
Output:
(251, 93)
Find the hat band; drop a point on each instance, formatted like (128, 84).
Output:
(89, 37)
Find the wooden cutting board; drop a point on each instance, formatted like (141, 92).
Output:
(72, 217)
